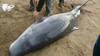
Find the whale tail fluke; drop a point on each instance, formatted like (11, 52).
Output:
(77, 8)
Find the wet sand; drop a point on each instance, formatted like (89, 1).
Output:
(77, 43)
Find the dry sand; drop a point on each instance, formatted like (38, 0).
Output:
(77, 43)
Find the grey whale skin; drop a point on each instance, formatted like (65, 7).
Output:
(41, 34)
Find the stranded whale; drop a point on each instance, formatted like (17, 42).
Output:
(41, 34)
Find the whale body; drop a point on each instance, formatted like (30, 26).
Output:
(43, 33)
